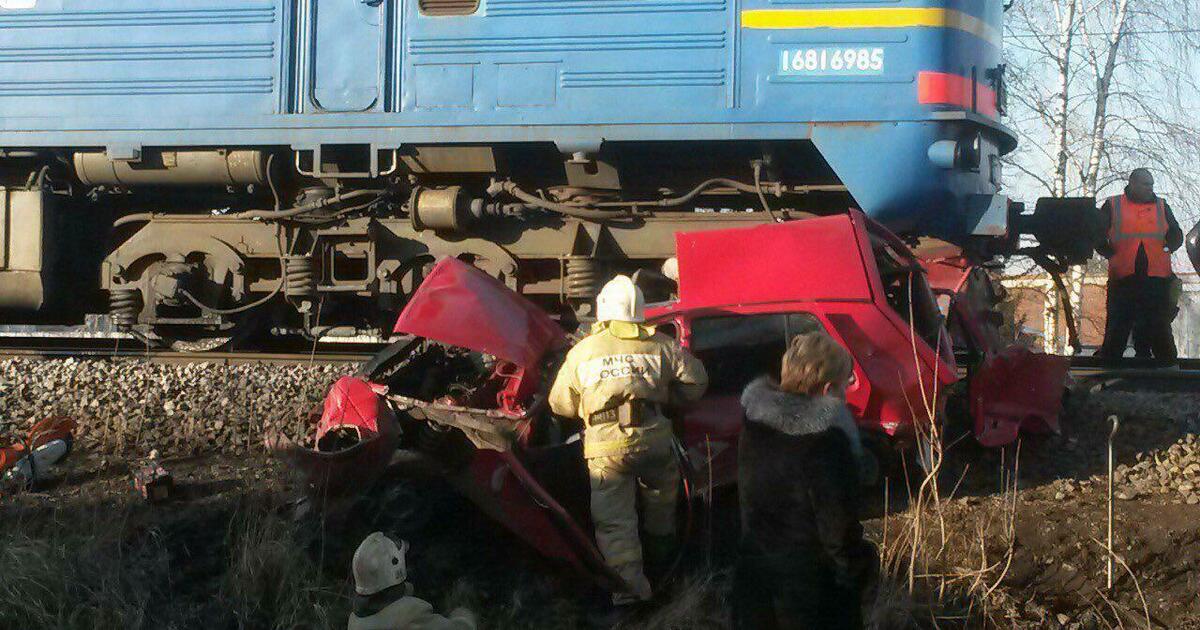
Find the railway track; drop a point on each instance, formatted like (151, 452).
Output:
(1137, 375)
(1146, 380)
(1133, 374)
(131, 352)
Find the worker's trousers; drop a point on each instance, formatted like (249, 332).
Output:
(1142, 306)
(617, 481)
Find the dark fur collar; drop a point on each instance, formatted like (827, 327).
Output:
(794, 414)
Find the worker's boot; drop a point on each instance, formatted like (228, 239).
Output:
(659, 553)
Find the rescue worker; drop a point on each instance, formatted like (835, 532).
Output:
(383, 598)
(617, 381)
(1142, 233)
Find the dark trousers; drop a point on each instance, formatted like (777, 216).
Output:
(1139, 305)
(792, 592)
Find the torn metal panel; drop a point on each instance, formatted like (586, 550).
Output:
(459, 305)
(357, 435)
(493, 429)
(1017, 390)
(1011, 388)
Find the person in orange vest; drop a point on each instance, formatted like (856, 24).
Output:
(1142, 233)
(1193, 247)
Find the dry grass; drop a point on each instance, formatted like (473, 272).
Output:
(101, 567)
(698, 602)
(272, 582)
(78, 577)
(937, 569)
(238, 564)
(940, 568)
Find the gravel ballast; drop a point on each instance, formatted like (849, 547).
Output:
(1157, 447)
(131, 407)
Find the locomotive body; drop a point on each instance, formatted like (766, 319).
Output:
(191, 166)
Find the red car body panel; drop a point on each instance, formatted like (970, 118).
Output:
(1016, 390)
(1013, 389)
(824, 267)
(458, 305)
(504, 479)
(810, 260)
(355, 404)
(947, 274)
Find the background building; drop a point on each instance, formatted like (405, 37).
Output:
(1033, 316)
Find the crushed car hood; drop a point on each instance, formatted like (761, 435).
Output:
(812, 260)
(459, 305)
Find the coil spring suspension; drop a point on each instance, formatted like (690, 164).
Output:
(582, 278)
(300, 278)
(123, 307)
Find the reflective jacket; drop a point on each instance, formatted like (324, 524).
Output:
(412, 613)
(1138, 227)
(1193, 247)
(618, 364)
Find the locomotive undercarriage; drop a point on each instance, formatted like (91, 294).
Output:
(209, 245)
(345, 280)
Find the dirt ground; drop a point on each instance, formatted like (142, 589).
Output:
(1052, 570)
(236, 550)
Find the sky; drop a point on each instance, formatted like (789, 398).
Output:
(1170, 62)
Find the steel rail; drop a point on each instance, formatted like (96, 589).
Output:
(1130, 375)
(180, 358)
(1176, 381)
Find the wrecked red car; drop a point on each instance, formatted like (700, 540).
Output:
(463, 395)
(1010, 389)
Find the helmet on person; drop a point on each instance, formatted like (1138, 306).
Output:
(670, 268)
(621, 301)
(379, 564)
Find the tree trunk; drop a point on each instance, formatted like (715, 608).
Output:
(1099, 142)
(1065, 12)
(1050, 337)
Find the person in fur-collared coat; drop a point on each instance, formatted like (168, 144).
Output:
(803, 562)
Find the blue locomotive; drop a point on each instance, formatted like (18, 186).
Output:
(196, 168)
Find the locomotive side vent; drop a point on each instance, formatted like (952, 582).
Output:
(448, 7)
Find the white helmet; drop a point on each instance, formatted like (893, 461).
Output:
(379, 564)
(621, 301)
(670, 268)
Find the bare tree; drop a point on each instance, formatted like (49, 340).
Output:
(1098, 88)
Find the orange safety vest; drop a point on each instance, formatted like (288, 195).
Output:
(1136, 225)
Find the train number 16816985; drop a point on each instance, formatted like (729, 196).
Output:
(831, 61)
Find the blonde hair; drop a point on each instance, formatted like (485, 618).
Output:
(812, 361)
